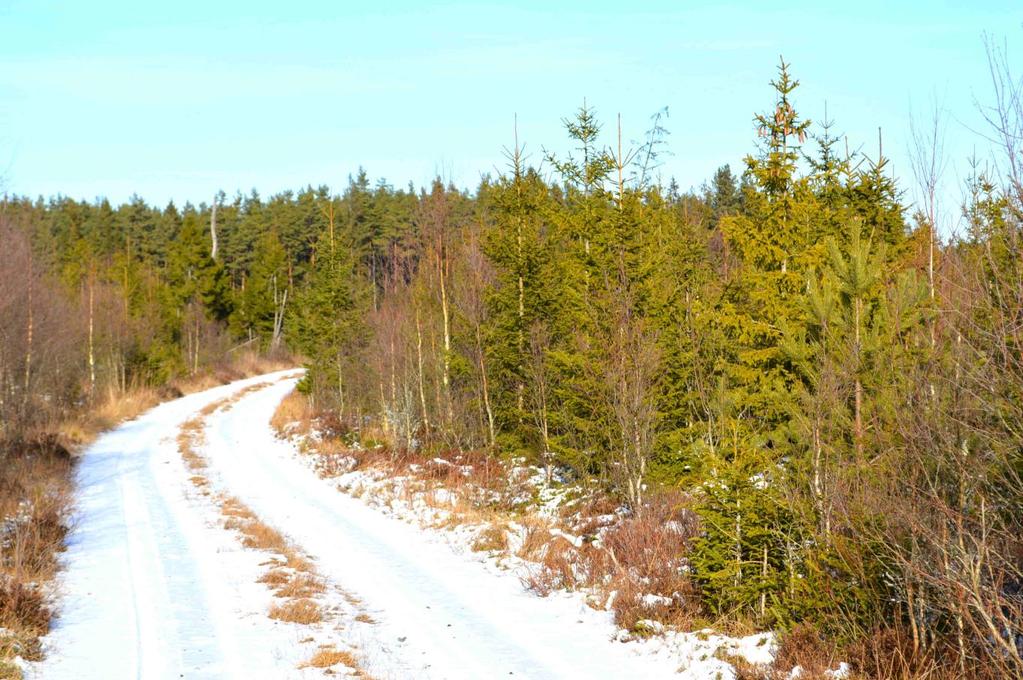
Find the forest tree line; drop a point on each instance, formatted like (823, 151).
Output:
(837, 387)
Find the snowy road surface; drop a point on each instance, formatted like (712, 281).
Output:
(155, 588)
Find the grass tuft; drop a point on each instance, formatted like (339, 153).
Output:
(261, 536)
(327, 657)
(303, 611)
(493, 538)
(300, 586)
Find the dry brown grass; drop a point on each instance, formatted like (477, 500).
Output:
(8, 671)
(35, 493)
(492, 538)
(23, 610)
(226, 403)
(274, 578)
(350, 599)
(294, 409)
(233, 508)
(296, 587)
(248, 363)
(192, 459)
(300, 585)
(802, 646)
(190, 435)
(193, 426)
(243, 364)
(210, 408)
(365, 618)
(258, 535)
(115, 406)
(292, 575)
(106, 411)
(302, 610)
(554, 567)
(295, 560)
(538, 535)
(329, 656)
(113, 409)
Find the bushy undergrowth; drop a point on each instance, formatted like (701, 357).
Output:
(572, 535)
(35, 491)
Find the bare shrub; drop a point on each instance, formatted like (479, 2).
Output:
(35, 491)
(630, 377)
(23, 608)
(40, 335)
(806, 647)
(646, 561)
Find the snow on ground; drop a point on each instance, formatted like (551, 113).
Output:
(438, 614)
(154, 587)
(697, 655)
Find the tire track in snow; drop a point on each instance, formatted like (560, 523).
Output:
(439, 614)
(144, 593)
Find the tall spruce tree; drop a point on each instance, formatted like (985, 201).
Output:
(329, 323)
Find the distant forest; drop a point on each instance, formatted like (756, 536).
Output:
(835, 388)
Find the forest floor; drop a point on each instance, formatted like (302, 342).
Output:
(203, 545)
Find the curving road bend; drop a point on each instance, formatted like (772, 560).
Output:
(152, 585)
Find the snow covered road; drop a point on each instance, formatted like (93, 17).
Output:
(155, 588)
(143, 594)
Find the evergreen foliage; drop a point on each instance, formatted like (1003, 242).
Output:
(772, 345)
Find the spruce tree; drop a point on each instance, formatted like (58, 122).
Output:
(329, 323)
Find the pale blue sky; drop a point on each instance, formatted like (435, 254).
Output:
(177, 100)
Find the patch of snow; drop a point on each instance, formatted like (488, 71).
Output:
(839, 673)
(649, 600)
(576, 541)
(757, 649)
(648, 626)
